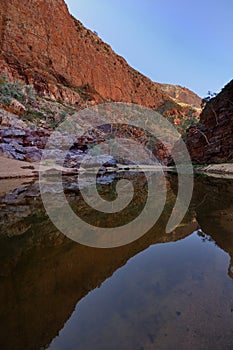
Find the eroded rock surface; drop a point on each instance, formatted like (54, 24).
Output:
(211, 141)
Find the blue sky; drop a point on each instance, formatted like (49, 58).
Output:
(189, 43)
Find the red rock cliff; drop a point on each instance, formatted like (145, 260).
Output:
(44, 45)
(212, 140)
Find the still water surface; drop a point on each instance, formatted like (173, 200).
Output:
(163, 291)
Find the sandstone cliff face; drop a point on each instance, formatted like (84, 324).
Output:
(211, 141)
(42, 44)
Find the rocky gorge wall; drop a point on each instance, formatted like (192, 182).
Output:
(211, 141)
(42, 44)
(62, 53)
(66, 62)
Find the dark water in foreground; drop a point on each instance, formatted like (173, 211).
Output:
(163, 291)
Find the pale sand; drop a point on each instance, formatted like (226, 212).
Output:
(16, 173)
(11, 168)
(13, 176)
(224, 170)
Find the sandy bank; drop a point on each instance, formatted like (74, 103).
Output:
(13, 169)
(224, 170)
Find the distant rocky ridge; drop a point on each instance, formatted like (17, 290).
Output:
(182, 95)
(211, 140)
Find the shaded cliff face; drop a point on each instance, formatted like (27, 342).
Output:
(211, 141)
(182, 94)
(42, 44)
(217, 220)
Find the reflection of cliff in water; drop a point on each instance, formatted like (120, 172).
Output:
(212, 203)
(44, 274)
(214, 212)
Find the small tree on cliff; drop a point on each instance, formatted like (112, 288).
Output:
(209, 100)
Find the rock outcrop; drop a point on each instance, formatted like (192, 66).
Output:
(21, 141)
(211, 141)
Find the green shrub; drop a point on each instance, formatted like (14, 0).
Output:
(9, 90)
(33, 115)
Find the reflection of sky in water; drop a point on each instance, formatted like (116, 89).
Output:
(170, 295)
